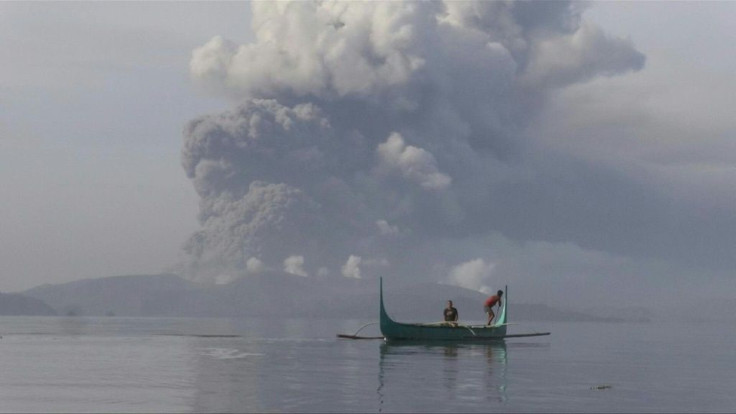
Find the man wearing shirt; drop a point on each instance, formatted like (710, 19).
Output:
(450, 313)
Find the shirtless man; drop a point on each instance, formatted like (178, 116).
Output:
(490, 303)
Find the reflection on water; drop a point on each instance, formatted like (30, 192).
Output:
(464, 374)
(266, 365)
(283, 366)
(283, 372)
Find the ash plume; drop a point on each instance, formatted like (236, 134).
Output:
(365, 131)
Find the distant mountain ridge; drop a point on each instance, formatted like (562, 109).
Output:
(135, 295)
(276, 294)
(13, 304)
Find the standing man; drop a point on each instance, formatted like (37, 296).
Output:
(451, 313)
(490, 303)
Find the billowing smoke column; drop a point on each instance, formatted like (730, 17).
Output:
(367, 129)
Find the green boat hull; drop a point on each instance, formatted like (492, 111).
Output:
(394, 331)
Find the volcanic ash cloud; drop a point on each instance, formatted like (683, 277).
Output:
(364, 129)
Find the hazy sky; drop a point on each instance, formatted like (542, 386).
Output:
(569, 157)
(93, 100)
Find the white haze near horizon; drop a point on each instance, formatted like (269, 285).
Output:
(603, 190)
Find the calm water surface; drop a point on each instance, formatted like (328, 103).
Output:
(261, 365)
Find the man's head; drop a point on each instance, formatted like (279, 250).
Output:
(499, 293)
(449, 303)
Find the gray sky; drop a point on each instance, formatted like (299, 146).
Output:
(606, 184)
(93, 100)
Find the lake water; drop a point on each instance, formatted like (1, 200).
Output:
(285, 365)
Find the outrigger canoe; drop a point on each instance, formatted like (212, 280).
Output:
(393, 330)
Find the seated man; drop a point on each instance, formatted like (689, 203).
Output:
(451, 314)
